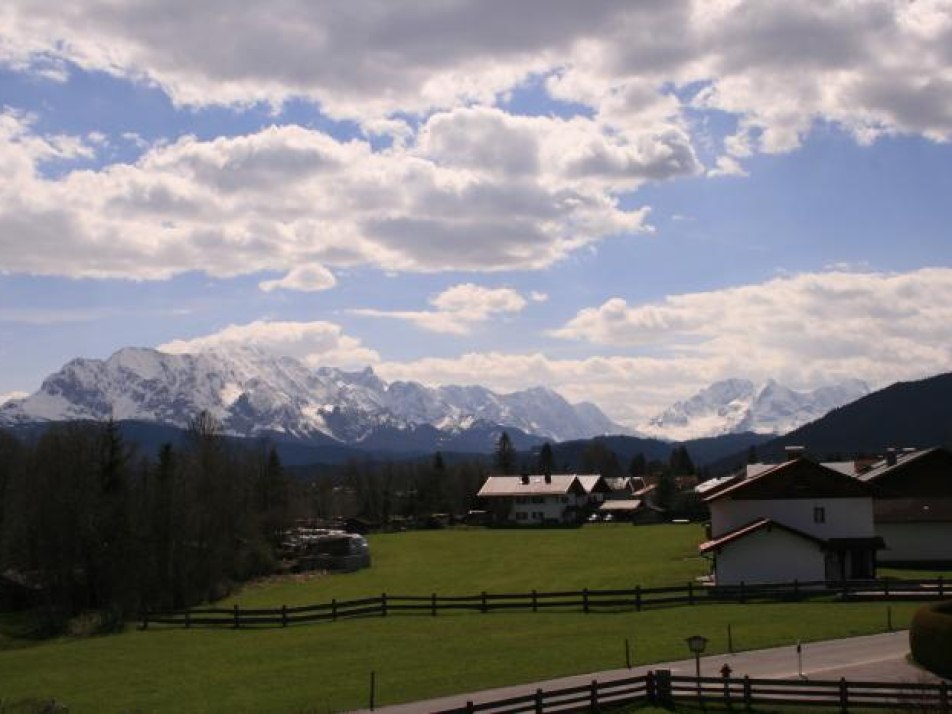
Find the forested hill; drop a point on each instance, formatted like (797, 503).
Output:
(904, 414)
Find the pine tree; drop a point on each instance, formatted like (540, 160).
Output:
(546, 459)
(505, 456)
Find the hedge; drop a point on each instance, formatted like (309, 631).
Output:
(930, 637)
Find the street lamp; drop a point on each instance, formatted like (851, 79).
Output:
(697, 643)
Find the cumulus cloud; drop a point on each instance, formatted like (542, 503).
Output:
(805, 329)
(10, 396)
(458, 309)
(874, 67)
(287, 197)
(314, 343)
(304, 278)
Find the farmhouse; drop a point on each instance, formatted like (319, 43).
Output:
(794, 521)
(543, 498)
(912, 505)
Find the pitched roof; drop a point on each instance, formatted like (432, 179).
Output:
(534, 485)
(751, 528)
(797, 478)
(883, 467)
(593, 482)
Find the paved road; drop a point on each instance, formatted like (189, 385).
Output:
(872, 657)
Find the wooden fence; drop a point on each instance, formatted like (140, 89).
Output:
(661, 688)
(585, 600)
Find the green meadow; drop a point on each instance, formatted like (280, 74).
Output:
(326, 667)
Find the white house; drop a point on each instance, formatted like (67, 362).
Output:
(542, 498)
(794, 521)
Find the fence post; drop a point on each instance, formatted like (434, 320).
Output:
(373, 689)
(538, 701)
(844, 695)
(944, 697)
(594, 695)
(236, 616)
(651, 690)
(470, 708)
(726, 674)
(690, 593)
(334, 608)
(284, 616)
(433, 604)
(535, 604)
(483, 602)
(638, 598)
(383, 604)
(940, 587)
(585, 600)
(748, 693)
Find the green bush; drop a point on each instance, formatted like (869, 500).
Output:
(930, 637)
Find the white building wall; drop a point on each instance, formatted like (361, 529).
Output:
(842, 517)
(769, 557)
(911, 542)
(538, 509)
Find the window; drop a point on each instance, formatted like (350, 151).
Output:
(521, 515)
(537, 515)
(538, 499)
(819, 514)
(521, 499)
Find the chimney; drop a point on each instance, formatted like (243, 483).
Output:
(794, 452)
(891, 456)
(548, 478)
(524, 478)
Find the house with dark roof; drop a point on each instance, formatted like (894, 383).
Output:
(543, 498)
(912, 504)
(798, 520)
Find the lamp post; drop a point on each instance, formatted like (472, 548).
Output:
(697, 643)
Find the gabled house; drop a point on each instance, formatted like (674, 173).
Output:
(543, 498)
(793, 521)
(912, 504)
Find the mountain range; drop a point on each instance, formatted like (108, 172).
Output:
(252, 393)
(736, 406)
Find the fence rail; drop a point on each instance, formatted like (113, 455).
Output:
(661, 688)
(637, 598)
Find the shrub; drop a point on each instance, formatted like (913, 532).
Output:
(930, 636)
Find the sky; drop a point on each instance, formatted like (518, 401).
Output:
(621, 201)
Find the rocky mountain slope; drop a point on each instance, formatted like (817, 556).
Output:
(253, 393)
(735, 406)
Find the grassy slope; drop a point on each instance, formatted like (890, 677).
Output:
(326, 667)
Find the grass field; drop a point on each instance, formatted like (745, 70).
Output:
(326, 667)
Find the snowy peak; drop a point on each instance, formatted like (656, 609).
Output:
(251, 392)
(738, 405)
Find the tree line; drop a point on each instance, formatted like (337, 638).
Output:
(93, 525)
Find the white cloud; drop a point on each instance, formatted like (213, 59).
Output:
(806, 329)
(10, 396)
(458, 308)
(314, 343)
(874, 67)
(304, 278)
(287, 197)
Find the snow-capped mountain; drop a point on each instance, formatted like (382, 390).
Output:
(738, 405)
(251, 393)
